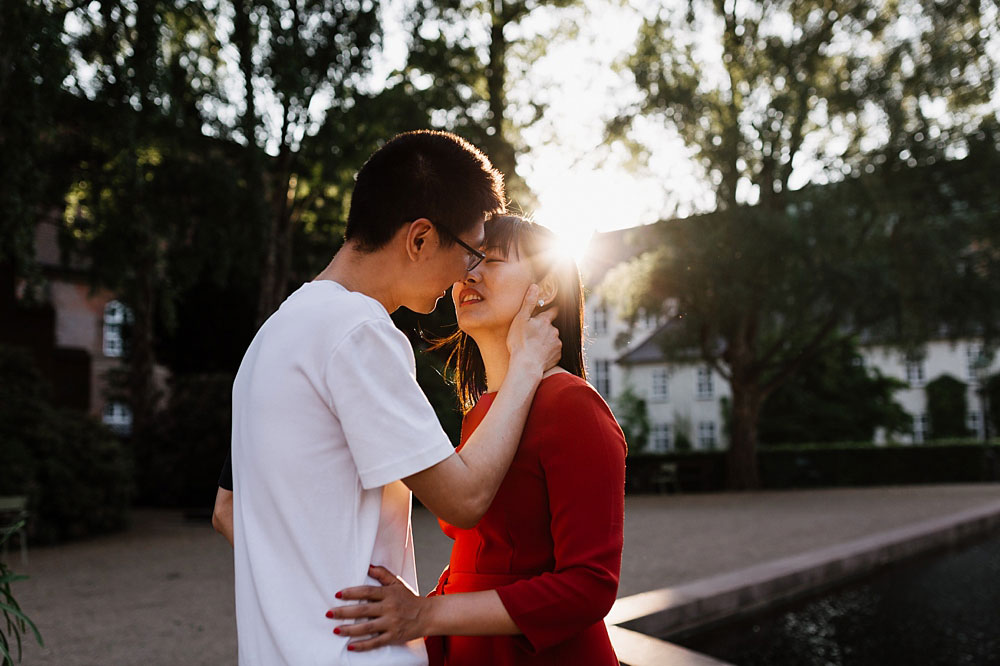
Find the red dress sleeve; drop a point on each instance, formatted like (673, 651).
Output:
(583, 459)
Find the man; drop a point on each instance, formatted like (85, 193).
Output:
(331, 431)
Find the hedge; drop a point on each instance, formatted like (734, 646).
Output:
(811, 466)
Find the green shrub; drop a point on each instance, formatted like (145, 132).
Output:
(84, 480)
(993, 400)
(946, 407)
(77, 476)
(633, 417)
(15, 623)
(833, 398)
(179, 464)
(829, 465)
(23, 420)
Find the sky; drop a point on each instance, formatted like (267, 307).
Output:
(582, 185)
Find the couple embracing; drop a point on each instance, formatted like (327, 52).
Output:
(331, 433)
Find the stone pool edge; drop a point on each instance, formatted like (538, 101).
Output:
(724, 596)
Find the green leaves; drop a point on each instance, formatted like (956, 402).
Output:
(15, 622)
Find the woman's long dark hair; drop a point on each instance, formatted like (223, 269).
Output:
(506, 234)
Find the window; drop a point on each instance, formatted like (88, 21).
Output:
(646, 319)
(660, 390)
(602, 377)
(116, 316)
(671, 308)
(921, 428)
(705, 390)
(118, 417)
(706, 435)
(915, 373)
(974, 424)
(973, 358)
(600, 323)
(660, 440)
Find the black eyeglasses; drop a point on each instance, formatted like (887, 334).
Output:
(476, 257)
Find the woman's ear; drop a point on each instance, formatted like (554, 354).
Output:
(548, 288)
(417, 234)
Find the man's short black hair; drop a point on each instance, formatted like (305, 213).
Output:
(431, 174)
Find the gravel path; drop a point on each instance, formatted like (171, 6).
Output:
(162, 592)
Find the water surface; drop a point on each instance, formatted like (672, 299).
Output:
(938, 609)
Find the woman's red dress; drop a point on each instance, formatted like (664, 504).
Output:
(551, 542)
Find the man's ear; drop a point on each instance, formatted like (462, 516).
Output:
(417, 236)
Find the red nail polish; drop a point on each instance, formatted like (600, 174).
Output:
(351, 648)
(329, 614)
(338, 595)
(336, 630)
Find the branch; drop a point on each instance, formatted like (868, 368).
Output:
(711, 359)
(811, 350)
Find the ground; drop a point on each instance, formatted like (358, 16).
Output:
(161, 593)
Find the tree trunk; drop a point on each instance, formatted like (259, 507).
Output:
(284, 193)
(258, 189)
(142, 360)
(741, 460)
(500, 150)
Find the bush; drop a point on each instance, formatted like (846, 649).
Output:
(633, 417)
(829, 465)
(946, 407)
(959, 461)
(993, 400)
(84, 480)
(76, 475)
(179, 463)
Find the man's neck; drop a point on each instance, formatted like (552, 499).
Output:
(367, 273)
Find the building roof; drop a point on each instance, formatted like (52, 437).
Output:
(610, 248)
(651, 350)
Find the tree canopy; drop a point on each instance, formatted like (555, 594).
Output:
(842, 98)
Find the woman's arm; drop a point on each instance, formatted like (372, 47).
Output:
(399, 615)
(584, 463)
(583, 460)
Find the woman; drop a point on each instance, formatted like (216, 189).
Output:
(532, 582)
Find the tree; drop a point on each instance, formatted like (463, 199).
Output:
(773, 278)
(33, 63)
(305, 59)
(633, 417)
(145, 180)
(947, 407)
(459, 67)
(992, 390)
(833, 399)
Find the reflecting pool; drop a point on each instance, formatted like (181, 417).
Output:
(939, 609)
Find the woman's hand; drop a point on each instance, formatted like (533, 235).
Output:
(394, 614)
(532, 340)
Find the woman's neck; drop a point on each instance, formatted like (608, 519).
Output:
(496, 359)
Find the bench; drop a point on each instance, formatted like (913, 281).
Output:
(14, 509)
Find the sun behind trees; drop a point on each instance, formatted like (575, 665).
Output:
(890, 237)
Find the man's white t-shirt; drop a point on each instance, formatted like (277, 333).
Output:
(327, 417)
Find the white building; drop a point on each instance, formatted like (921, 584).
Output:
(686, 400)
(941, 357)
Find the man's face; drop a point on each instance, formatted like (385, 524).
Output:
(450, 264)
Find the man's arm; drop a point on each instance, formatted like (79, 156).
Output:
(460, 488)
(222, 515)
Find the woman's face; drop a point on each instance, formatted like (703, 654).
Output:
(491, 294)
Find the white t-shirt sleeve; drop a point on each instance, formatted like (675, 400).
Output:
(391, 429)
